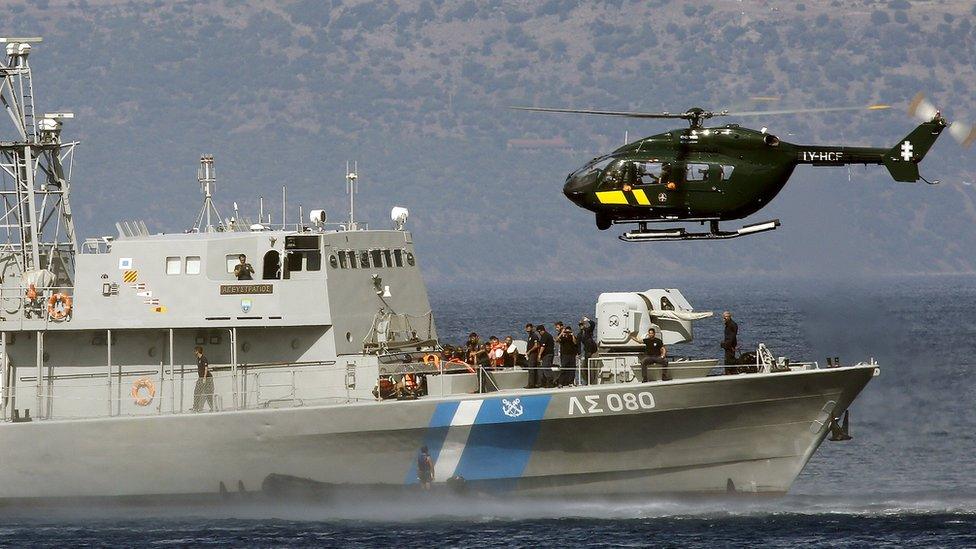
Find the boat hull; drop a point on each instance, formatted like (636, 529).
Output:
(748, 433)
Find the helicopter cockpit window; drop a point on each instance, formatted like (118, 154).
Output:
(696, 172)
(613, 176)
(649, 173)
(666, 304)
(727, 172)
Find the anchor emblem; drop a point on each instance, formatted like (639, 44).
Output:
(614, 321)
(512, 408)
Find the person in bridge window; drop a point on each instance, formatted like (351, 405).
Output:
(243, 270)
(654, 353)
(203, 391)
(730, 343)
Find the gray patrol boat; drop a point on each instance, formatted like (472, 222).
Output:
(98, 367)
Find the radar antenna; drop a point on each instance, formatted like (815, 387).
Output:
(207, 176)
(35, 174)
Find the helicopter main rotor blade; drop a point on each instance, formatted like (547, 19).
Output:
(805, 111)
(627, 114)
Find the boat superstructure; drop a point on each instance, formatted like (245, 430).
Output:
(99, 372)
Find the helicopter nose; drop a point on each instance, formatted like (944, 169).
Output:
(577, 185)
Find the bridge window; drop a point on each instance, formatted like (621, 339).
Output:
(696, 172)
(272, 265)
(313, 260)
(341, 262)
(377, 258)
(174, 265)
(727, 172)
(294, 262)
(398, 258)
(364, 259)
(352, 258)
(232, 260)
(193, 265)
(388, 258)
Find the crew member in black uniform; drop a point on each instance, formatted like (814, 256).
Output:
(203, 391)
(654, 353)
(532, 357)
(546, 350)
(568, 348)
(730, 343)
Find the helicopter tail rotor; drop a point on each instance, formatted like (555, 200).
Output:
(923, 110)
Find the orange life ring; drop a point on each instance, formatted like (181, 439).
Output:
(55, 313)
(428, 358)
(149, 386)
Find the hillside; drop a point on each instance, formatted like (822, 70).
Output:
(284, 93)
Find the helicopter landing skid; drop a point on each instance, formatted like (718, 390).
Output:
(648, 235)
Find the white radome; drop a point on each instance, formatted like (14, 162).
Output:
(317, 217)
(399, 216)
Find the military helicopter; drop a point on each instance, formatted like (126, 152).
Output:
(714, 174)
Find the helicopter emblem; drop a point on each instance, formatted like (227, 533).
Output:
(662, 197)
(512, 408)
(906, 151)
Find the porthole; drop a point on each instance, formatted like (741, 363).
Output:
(334, 261)
(349, 337)
(410, 260)
(294, 343)
(245, 346)
(152, 351)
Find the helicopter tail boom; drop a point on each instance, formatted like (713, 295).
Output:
(901, 160)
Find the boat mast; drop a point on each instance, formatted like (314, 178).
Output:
(352, 187)
(207, 176)
(36, 231)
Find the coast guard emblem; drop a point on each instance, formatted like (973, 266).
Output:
(512, 408)
(246, 305)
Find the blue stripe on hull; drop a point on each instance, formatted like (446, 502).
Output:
(500, 441)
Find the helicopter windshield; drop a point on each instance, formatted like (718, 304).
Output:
(587, 175)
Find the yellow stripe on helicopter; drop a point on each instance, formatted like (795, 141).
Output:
(641, 197)
(611, 197)
(620, 197)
